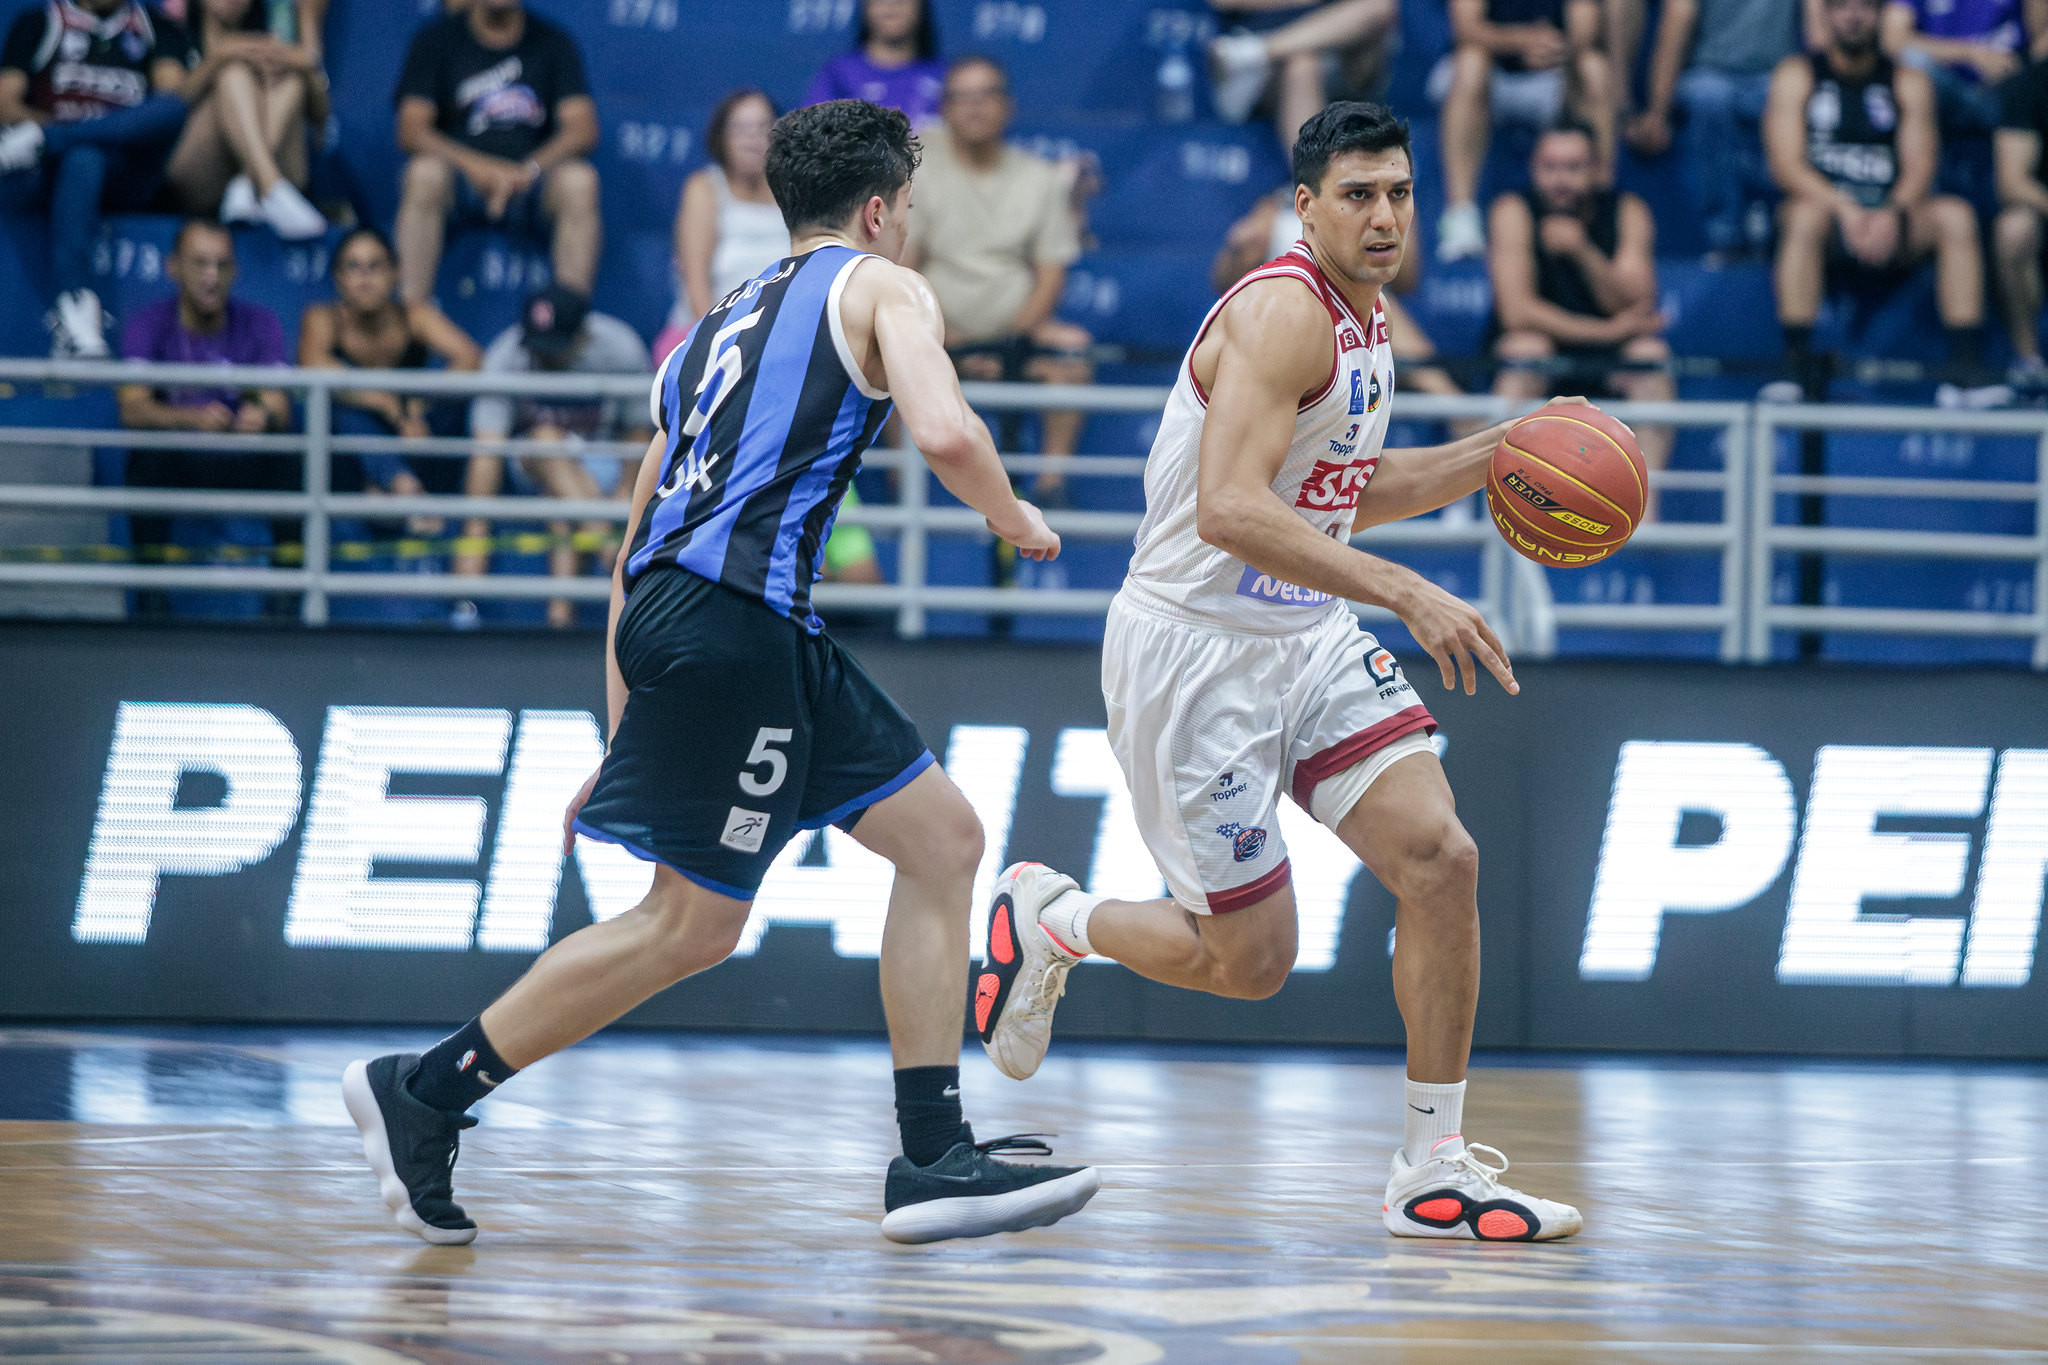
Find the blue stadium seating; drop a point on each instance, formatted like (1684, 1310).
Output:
(1084, 75)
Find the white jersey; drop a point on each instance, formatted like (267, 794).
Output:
(1338, 433)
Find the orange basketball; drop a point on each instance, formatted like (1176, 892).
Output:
(1568, 485)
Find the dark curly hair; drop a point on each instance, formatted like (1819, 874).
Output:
(827, 160)
(1346, 126)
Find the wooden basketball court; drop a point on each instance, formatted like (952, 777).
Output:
(198, 1195)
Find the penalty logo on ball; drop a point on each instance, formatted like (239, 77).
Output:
(1521, 487)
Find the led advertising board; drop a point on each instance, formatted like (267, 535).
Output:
(359, 826)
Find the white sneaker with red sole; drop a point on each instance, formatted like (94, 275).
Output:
(1456, 1194)
(1023, 969)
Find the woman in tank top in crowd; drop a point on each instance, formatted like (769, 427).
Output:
(728, 229)
(368, 328)
(258, 86)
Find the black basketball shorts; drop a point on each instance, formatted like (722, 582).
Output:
(741, 729)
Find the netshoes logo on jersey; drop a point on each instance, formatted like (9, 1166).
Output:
(1263, 587)
(209, 790)
(1849, 917)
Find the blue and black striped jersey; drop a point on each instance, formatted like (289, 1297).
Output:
(766, 415)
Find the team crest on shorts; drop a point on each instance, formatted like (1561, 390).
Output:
(1246, 842)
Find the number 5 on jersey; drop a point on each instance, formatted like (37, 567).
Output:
(773, 759)
(746, 830)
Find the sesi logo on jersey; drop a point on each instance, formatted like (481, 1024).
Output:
(1330, 487)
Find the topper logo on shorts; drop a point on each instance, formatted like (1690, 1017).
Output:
(1331, 486)
(1246, 841)
(1227, 788)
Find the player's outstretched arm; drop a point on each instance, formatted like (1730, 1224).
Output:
(1411, 482)
(1274, 346)
(947, 432)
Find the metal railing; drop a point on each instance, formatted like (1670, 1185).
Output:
(1515, 594)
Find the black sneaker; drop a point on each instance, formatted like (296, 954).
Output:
(968, 1193)
(411, 1146)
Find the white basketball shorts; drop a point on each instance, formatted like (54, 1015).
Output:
(1213, 726)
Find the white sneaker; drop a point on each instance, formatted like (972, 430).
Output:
(1457, 1195)
(1460, 233)
(1977, 398)
(1239, 66)
(1023, 970)
(78, 327)
(291, 215)
(21, 146)
(239, 203)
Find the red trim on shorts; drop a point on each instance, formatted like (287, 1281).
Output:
(1312, 771)
(1238, 897)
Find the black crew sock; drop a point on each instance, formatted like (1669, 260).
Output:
(928, 1112)
(1798, 347)
(1964, 351)
(459, 1070)
(1809, 371)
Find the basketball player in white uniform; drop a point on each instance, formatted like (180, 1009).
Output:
(1234, 674)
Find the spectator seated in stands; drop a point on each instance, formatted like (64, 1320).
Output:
(2023, 207)
(1575, 281)
(994, 233)
(894, 62)
(1337, 49)
(243, 155)
(1271, 228)
(1966, 47)
(89, 96)
(204, 324)
(1851, 140)
(1523, 61)
(1714, 59)
(558, 334)
(368, 327)
(728, 228)
(494, 111)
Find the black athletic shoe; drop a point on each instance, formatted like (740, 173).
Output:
(410, 1145)
(968, 1193)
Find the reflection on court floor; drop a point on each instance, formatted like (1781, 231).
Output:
(198, 1195)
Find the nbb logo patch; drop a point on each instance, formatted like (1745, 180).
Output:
(1518, 483)
(1334, 487)
(1857, 864)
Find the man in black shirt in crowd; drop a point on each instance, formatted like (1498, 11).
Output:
(1850, 138)
(2023, 205)
(1574, 271)
(89, 94)
(494, 110)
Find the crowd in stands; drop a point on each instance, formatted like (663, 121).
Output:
(1814, 133)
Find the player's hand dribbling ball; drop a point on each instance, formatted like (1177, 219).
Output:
(1568, 485)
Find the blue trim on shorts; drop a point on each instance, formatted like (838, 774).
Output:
(709, 885)
(883, 792)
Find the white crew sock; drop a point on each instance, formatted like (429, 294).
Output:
(1067, 918)
(1434, 1112)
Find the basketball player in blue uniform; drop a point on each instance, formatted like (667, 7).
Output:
(735, 722)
